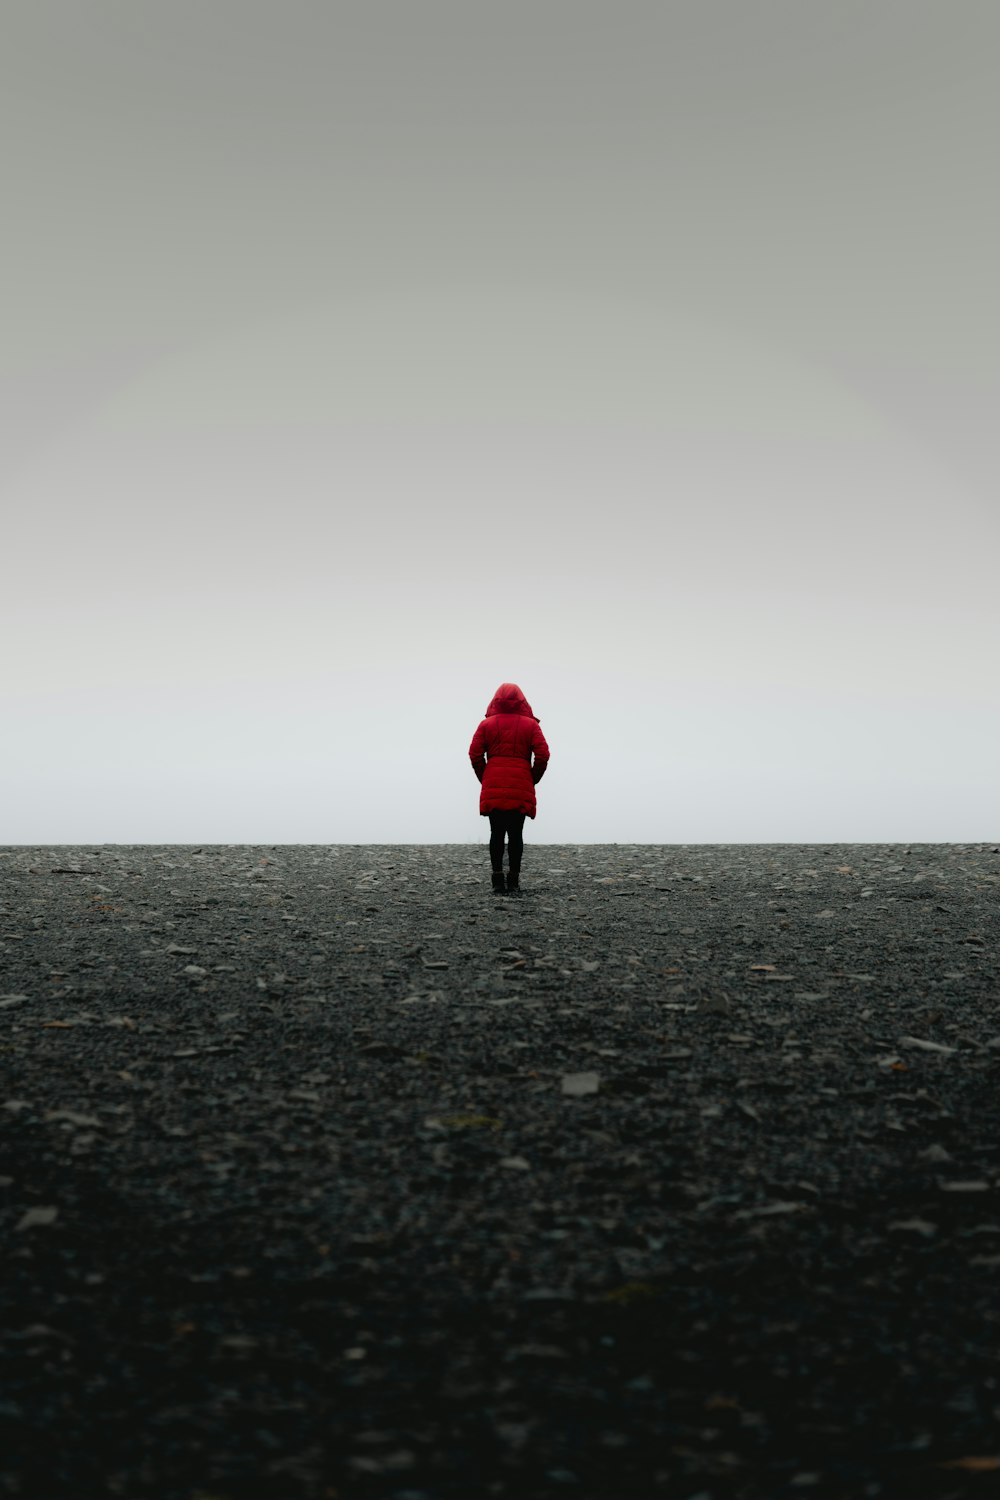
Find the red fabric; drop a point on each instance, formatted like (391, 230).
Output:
(501, 752)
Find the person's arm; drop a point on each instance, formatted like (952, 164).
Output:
(477, 752)
(540, 750)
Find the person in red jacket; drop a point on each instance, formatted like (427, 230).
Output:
(501, 754)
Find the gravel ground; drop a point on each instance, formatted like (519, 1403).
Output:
(326, 1173)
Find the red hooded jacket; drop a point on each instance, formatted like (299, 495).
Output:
(501, 752)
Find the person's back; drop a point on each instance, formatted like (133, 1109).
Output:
(509, 754)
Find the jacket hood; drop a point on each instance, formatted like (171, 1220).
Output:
(508, 699)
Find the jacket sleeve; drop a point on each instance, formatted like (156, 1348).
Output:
(477, 751)
(541, 753)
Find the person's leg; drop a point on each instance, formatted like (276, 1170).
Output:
(515, 848)
(498, 828)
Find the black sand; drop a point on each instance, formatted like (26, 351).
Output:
(293, 1202)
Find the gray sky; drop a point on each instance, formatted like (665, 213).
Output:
(359, 357)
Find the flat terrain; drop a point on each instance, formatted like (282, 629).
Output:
(326, 1174)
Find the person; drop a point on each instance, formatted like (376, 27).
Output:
(501, 754)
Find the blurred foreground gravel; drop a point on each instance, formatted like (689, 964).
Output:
(325, 1173)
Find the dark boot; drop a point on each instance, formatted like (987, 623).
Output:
(513, 882)
(498, 885)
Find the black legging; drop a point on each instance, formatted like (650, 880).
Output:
(509, 824)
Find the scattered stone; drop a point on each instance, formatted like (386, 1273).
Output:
(73, 1117)
(37, 1218)
(576, 1085)
(914, 1226)
(769, 1210)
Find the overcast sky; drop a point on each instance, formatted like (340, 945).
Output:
(359, 357)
